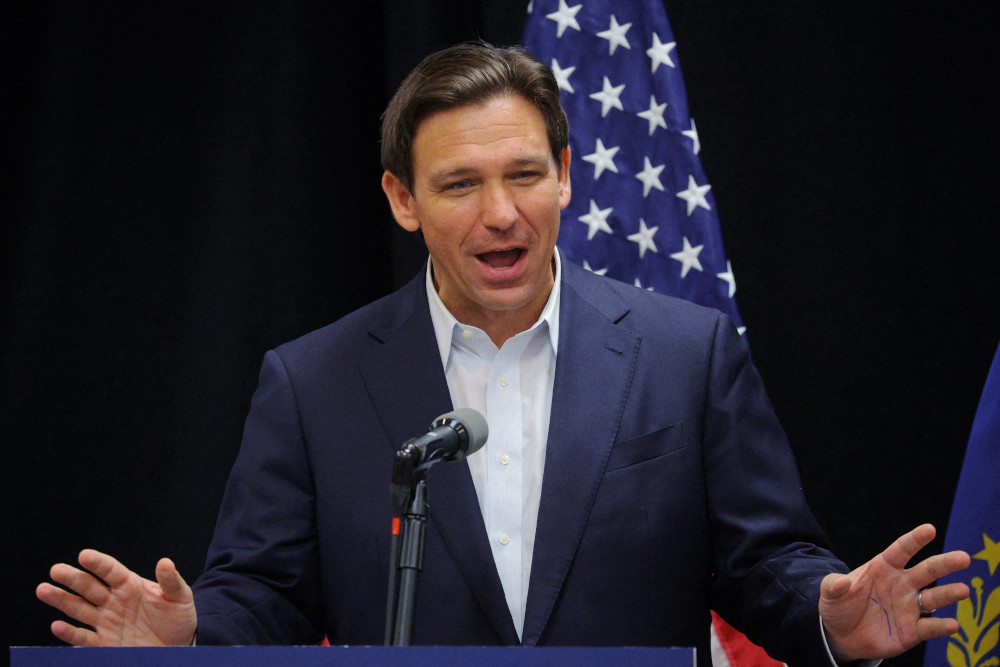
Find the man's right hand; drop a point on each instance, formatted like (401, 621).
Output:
(120, 607)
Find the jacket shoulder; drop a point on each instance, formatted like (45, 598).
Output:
(642, 311)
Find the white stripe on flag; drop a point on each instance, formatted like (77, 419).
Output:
(719, 657)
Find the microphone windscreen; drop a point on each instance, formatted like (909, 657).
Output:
(475, 426)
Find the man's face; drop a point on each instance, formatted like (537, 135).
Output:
(487, 194)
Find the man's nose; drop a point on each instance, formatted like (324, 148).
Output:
(499, 207)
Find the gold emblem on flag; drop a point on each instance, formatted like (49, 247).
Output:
(974, 645)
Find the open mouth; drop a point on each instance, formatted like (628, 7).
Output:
(501, 259)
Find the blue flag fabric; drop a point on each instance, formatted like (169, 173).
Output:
(975, 527)
(642, 209)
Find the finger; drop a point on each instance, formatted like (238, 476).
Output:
(47, 593)
(72, 605)
(106, 567)
(835, 585)
(175, 589)
(931, 569)
(942, 596)
(932, 628)
(73, 635)
(82, 583)
(906, 547)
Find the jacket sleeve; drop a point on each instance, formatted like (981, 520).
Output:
(261, 582)
(769, 551)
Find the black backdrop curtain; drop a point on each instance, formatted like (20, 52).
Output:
(195, 183)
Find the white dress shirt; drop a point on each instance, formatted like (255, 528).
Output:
(512, 388)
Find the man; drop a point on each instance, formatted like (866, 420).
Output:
(635, 475)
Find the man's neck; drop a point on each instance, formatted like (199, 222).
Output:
(501, 325)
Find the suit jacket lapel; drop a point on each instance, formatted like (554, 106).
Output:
(407, 386)
(593, 374)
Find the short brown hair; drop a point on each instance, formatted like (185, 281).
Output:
(461, 75)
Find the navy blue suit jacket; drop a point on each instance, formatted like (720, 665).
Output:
(668, 489)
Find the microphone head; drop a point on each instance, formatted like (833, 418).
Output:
(471, 428)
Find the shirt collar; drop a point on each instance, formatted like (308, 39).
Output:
(445, 323)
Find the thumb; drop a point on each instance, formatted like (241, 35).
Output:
(175, 589)
(834, 586)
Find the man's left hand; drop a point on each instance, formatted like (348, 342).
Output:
(873, 612)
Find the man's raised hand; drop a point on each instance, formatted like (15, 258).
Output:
(120, 607)
(879, 609)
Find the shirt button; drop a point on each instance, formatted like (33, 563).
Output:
(504, 539)
(505, 459)
(466, 334)
(503, 381)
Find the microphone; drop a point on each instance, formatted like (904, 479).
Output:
(451, 437)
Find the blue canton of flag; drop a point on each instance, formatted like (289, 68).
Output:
(642, 209)
(975, 527)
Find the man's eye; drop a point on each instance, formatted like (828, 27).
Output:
(459, 185)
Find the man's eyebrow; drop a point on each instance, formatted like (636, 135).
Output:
(538, 160)
(457, 172)
(531, 161)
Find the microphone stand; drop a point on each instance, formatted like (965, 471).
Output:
(408, 493)
(452, 436)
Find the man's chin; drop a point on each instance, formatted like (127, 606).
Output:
(514, 298)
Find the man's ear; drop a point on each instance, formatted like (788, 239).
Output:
(401, 202)
(565, 190)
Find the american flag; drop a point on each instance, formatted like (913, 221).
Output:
(642, 209)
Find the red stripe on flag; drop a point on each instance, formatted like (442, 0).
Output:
(740, 651)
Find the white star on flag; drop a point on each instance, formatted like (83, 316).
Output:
(597, 220)
(659, 53)
(650, 177)
(728, 276)
(688, 257)
(654, 115)
(615, 34)
(608, 97)
(601, 158)
(692, 134)
(599, 272)
(565, 17)
(562, 76)
(695, 195)
(644, 237)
